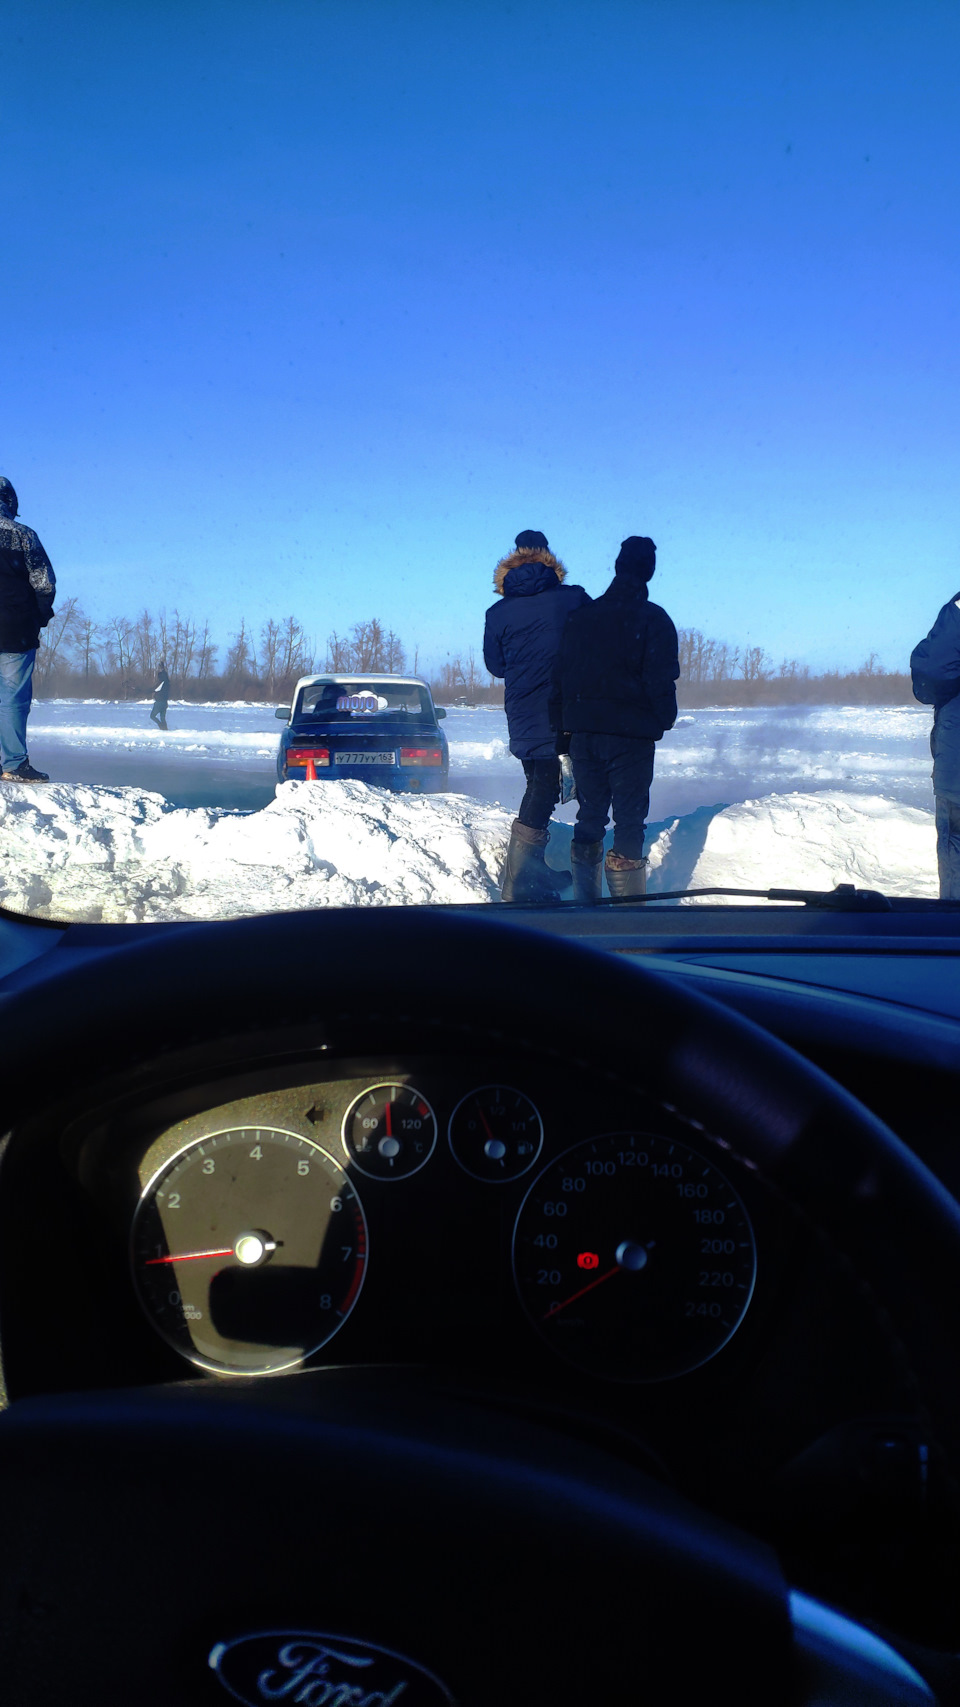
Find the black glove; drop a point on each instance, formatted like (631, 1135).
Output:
(563, 744)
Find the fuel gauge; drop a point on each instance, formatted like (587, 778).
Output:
(496, 1133)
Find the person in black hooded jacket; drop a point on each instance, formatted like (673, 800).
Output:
(615, 695)
(520, 642)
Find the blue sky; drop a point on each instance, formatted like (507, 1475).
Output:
(311, 306)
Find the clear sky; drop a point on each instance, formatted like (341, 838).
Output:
(310, 305)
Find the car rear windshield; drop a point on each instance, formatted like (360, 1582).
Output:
(345, 702)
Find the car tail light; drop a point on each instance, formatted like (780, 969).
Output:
(421, 755)
(300, 755)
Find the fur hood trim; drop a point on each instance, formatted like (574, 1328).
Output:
(526, 554)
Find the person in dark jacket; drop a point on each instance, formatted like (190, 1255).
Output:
(935, 669)
(27, 587)
(520, 642)
(615, 695)
(161, 697)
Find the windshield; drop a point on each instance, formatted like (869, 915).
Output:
(579, 381)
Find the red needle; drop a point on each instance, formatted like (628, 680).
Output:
(190, 1256)
(386, 1111)
(616, 1269)
(486, 1123)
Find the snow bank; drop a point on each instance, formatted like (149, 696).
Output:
(125, 855)
(801, 841)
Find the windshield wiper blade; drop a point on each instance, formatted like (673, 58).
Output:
(845, 898)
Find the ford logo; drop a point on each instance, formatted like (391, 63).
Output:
(317, 1670)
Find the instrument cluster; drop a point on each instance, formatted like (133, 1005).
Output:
(405, 1209)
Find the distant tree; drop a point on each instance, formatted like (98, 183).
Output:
(753, 664)
(206, 654)
(268, 657)
(369, 647)
(366, 645)
(56, 637)
(182, 641)
(239, 657)
(294, 655)
(393, 655)
(338, 653)
(87, 646)
(142, 642)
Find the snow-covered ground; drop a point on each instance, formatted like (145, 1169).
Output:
(798, 841)
(142, 824)
(124, 854)
(224, 754)
(80, 852)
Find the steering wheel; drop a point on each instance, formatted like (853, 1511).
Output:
(142, 1531)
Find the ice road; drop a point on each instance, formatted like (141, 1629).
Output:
(224, 754)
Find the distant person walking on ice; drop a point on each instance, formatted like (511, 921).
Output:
(615, 695)
(27, 587)
(161, 698)
(520, 642)
(935, 668)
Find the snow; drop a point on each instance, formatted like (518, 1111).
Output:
(126, 854)
(141, 824)
(799, 841)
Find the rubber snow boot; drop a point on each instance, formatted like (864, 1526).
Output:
(525, 875)
(627, 878)
(586, 858)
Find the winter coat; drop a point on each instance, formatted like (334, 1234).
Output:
(27, 585)
(520, 642)
(161, 692)
(935, 668)
(618, 666)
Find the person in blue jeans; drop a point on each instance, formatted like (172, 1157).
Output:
(935, 669)
(614, 696)
(27, 588)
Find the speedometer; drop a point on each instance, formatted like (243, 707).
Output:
(634, 1257)
(249, 1250)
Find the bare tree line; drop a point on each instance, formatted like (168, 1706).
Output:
(81, 657)
(118, 659)
(712, 672)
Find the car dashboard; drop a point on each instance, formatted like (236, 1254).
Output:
(256, 1216)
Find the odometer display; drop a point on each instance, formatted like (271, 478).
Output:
(634, 1257)
(249, 1250)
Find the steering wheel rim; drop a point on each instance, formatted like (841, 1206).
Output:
(810, 1138)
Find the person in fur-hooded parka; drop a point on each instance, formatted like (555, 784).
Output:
(520, 643)
(522, 637)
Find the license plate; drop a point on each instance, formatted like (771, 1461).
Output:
(364, 758)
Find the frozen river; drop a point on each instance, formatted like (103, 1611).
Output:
(224, 754)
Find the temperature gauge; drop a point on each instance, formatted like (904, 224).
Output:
(390, 1131)
(496, 1133)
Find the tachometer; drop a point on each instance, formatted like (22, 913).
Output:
(249, 1250)
(634, 1257)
